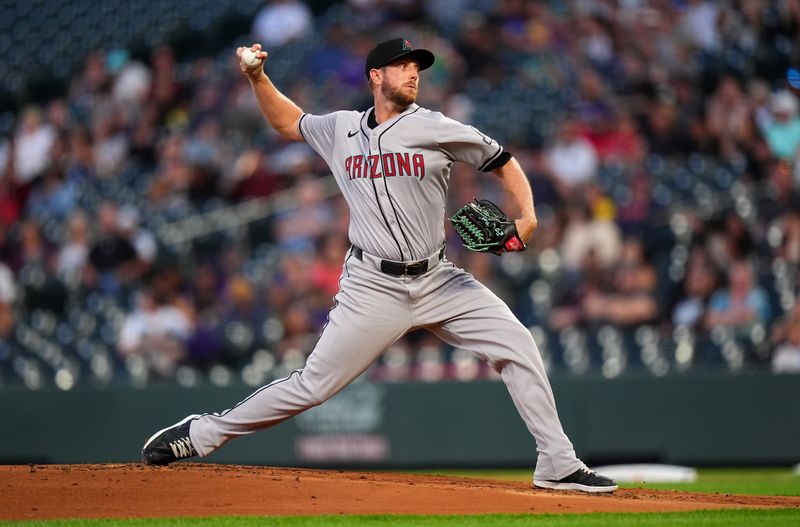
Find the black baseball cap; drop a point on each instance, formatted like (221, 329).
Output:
(390, 50)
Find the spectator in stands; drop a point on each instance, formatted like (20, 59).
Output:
(89, 87)
(110, 149)
(634, 217)
(253, 177)
(140, 238)
(741, 304)
(726, 239)
(6, 157)
(759, 97)
(698, 286)
(281, 21)
(168, 191)
(585, 234)
(291, 281)
(300, 335)
(616, 139)
(51, 195)
(593, 107)
(631, 299)
(74, 252)
(8, 294)
(203, 147)
(144, 138)
(242, 316)
(166, 89)
(783, 134)
(32, 145)
(728, 113)
(327, 266)
(789, 227)
(571, 159)
(299, 228)
(700, 23)
(785, 195)
(133, 81)
(664, 131)
(573, 289)
(786, 357)
(37, 271)
(10, 207)
(240, 303)
(7, 249)
(205, 290)
(32, 249)
(113, 262)
(206, 295)
(596, 43)
(155, 332)
(80, 168)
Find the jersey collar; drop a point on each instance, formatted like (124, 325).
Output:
(369, 123)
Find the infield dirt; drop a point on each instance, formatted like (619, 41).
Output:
(138, 491)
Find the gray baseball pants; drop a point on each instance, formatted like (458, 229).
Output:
(372, 311)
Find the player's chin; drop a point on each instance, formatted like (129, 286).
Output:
(408, 97)
(403, 99)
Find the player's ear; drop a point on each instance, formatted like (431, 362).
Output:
(374, 76)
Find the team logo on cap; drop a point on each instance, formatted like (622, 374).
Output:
(407, 46)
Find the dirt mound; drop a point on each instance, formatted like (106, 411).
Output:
(123, 491)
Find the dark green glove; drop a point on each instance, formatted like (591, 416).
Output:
(483, 227)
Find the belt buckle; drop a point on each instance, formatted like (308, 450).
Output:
(401, 269)
(417, 268)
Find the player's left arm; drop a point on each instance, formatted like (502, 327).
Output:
(517, 186)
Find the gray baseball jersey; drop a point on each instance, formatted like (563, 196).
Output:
(395, 176)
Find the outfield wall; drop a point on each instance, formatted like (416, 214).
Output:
(694, 419)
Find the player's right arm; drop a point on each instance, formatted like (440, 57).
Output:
(279, 110)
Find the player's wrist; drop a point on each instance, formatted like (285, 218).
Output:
(526, 225)
(256, 77)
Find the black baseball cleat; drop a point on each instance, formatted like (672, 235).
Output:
(582, 479)
(170, 444)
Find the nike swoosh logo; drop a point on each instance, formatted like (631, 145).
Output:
(351, 134)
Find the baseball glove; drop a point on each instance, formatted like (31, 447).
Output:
(483, 227)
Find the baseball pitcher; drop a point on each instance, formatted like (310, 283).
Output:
(392, 164)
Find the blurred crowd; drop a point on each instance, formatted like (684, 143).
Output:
(662, 140)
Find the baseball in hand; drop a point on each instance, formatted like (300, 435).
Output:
(249, 58)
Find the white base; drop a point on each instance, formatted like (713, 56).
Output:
(648, 473)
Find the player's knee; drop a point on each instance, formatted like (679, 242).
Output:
(317, 399)
(316, 394)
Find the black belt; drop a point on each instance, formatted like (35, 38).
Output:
(400, 268)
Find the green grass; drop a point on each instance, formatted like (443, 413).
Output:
(766, 482)
(769, 518)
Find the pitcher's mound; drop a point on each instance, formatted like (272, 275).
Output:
(125, 491)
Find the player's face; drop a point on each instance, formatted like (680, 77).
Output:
(401, 81)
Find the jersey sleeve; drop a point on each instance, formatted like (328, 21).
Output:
(469, 145)
(319, 132)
